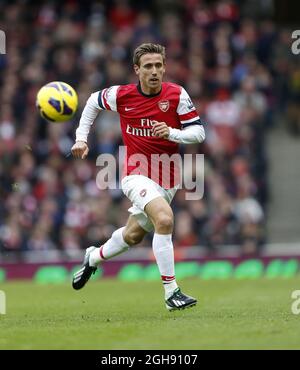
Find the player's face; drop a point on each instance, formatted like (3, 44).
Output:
(150, 72)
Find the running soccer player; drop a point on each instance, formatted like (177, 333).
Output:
(155, 117)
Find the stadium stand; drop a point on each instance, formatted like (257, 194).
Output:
(236, 69)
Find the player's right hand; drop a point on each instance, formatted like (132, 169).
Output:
(80, 150)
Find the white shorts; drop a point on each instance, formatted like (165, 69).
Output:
(141, 190)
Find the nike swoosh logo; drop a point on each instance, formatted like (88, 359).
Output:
(127, 109)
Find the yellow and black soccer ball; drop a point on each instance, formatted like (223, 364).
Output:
(57, 101)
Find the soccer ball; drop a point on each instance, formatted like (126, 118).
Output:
(57, 101)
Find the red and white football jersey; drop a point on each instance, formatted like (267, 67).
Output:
(146, 154)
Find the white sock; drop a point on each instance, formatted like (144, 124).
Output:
(164, 255)
(114, 246)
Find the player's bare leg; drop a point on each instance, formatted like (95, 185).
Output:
(119, 242)
(133, 232)
(161, 215)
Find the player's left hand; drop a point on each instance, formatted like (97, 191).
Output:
(161, 129)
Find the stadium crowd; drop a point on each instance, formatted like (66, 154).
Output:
(237, 70)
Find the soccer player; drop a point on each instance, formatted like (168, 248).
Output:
(155, 117)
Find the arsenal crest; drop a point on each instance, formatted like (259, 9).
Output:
(143, 192)
(164, 105)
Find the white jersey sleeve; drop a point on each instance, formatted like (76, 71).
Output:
(189, 135)
(105, 99)
(186, 111)
(191, 130)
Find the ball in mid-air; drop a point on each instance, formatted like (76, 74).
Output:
(57, 101)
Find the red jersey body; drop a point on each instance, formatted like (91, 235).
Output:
(146, 154)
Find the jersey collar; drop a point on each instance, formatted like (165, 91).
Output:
(147, 95)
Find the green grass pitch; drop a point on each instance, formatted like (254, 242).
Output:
(110, 314)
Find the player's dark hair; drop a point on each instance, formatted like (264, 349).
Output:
(148, 48)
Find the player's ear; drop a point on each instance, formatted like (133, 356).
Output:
(136, 69)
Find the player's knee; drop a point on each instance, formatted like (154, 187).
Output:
(132, 238)
(164, 223)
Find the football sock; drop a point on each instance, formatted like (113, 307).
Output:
(114, 246)
(164, 255)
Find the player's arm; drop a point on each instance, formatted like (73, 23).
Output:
(80, 149)
(188, 135)
(100, 100)
(192, 130)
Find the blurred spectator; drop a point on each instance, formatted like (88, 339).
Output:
(224, 116)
